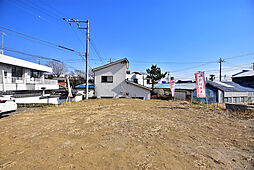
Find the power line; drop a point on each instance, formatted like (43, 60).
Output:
(165, 62)
(36, 8)
(33, 55)
(57, 17)
(30, 12)
(189, 68)
(42, 41)
(228, 58)
(44, 11)
(96, 50)
(243, 55)
(38, 56)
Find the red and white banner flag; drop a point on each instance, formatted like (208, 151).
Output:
(172, 87)
(200, 85)
(69, 88)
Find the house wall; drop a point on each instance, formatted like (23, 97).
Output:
(237, 94)
(135, 91)
(26, 82)
(211, 93)
(142, 79)
(239, 97)
(220, 96)
(216, 95)
(180, 95)
(115, 89)
(118, 71)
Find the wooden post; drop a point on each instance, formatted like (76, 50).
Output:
(206, 103)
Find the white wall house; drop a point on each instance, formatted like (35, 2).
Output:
(139, 78)
(17, 74)
(110, 82)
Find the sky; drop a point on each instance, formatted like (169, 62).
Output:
(180, 36)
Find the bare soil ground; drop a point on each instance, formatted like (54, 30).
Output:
(127, 134)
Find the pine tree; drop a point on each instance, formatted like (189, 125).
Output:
(155, 74)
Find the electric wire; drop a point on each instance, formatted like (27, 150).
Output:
(32, 55)
(56, 16)
(41, 41)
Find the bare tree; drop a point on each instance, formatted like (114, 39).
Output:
(80, 73)
(58, 68)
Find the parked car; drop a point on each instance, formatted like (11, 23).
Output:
(7, 104)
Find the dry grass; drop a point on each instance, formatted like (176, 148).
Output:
(126, 134)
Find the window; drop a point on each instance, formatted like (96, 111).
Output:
(35, 74)
(234, 100)
(135, 81)
(242, 100)
(245, 99)
(225, 99)
(230, 100)
(238, 100)
(16, 71)
(107, 79)
(5, 73)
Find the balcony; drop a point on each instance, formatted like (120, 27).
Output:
(20, 83)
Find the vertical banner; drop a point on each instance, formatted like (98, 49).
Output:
(200, 85)
(172, 87)
(69, 88)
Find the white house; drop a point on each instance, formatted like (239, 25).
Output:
(111, 82)
(139, 78)
(17, 74)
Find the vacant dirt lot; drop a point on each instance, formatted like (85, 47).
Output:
(126, 134)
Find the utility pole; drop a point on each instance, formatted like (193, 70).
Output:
(252, 66)
(143, 79)
(168, 77)
(3, 42)
(87, 50)
(220, 61)
(39, 60)
(87, 45)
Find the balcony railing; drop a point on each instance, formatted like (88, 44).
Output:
(21, 80)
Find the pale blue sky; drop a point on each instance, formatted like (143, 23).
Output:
(146, 32)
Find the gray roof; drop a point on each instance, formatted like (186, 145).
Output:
(224, 86)
(229, 86)
(244, 73)
(110, 64)
(138, 85)
(179, 86)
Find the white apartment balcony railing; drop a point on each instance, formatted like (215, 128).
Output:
(21, 80)
(42, 81)
(19, 83)
(18, 80)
